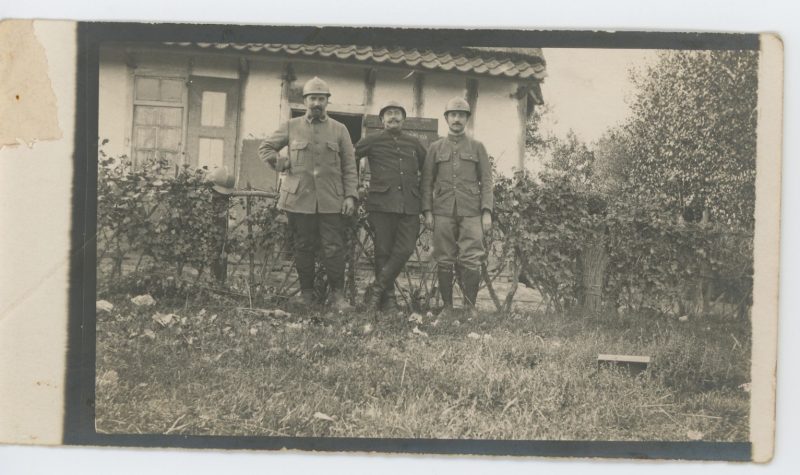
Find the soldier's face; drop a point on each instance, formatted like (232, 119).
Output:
(316, 104)
(393, 118)
(457, 120)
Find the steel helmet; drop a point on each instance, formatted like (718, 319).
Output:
(316, 85)
(223, 180)
(457, 104)
(392, 105)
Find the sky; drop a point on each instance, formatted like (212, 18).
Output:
(589, 90)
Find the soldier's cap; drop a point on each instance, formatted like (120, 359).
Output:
(457, 104)
(392, 105)
(223, 180)
(316, 85)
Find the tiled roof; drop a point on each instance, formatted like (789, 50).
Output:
(521, 63)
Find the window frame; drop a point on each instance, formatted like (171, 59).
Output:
(183, 104)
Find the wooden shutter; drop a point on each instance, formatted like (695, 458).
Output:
(213, 121)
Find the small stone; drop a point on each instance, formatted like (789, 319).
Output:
(148, 333)
(253, 331)
(367, 329)
(103, 306)
(165, 320)
(419, 332)
(473, 336)
(684, 318)
(143, 300)
(415, 318)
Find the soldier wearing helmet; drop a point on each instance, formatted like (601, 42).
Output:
(319, 187)
(457, 201)
(394, 160)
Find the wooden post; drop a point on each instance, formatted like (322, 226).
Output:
(287, 78)
(522, 116)
(472, 100)
(418, 108)
(370, 77)
(219, 265)
(251, 256)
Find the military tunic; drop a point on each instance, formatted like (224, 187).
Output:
(457, 187)
(320, 169)
(395, 160)
(457, 177)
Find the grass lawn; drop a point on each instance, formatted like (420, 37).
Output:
(221, 370)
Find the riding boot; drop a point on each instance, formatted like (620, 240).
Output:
(445, 276)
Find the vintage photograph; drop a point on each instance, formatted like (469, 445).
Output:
(458, 243)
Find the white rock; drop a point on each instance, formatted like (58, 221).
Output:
(419, 332)
(165, 320)
(143, 300)
(415, 318)
(103, 306)
(684, 318)
(474, 336)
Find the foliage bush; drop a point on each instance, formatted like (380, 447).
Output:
(656, 260)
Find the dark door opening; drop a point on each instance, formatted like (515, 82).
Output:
(351, 121)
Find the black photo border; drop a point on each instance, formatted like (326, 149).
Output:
(79, 426)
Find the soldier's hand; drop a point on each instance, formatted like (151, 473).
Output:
(486, 221)
(349, 206)
(429, 220)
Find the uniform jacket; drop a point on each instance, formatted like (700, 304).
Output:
(457, 177)
(395, 160)
(320, 169)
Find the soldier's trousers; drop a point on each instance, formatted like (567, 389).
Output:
(458, 240)
(326, 232)
(395, 240)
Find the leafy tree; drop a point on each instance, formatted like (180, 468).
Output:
(692, 135)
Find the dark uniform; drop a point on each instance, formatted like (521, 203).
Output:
(320, 173)
(394, 160)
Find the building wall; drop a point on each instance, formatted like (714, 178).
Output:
(261, 101)
(114, 102)
(392, 85)
(497, 122)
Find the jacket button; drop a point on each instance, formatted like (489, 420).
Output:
(399, 187)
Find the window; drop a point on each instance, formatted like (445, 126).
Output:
(158, 118)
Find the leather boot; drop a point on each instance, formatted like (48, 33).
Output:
(471, 279)
(374, 297)
(389, 303)
(305, 298)
(338, 302)
(445, 276)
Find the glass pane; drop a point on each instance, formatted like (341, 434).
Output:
(144, 115)
(145, 137)
(142, 156)
(171, 116)
(210, 154)
(171, 90)
(169, 139)
(147, 89)
(213, 109)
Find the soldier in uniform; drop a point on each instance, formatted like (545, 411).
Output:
(319, 187)
(394, 160)
(457, 201)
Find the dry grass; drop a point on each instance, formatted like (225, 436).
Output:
(533, 377)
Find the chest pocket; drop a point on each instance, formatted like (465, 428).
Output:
(299, 150)
(469, 156)
(331, 152)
